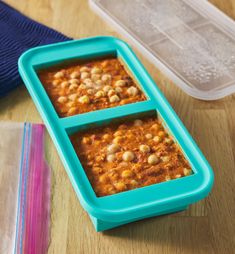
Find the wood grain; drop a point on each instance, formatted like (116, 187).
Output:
(207, 227)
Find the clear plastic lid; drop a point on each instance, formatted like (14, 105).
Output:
(191, 41)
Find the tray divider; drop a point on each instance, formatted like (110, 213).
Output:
(73, 123)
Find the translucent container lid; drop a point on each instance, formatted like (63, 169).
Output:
(192, 42)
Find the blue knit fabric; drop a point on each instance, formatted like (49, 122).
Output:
(17, 34)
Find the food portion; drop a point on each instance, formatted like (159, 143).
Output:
(129, 155)
(83, 87)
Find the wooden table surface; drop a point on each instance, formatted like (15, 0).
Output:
(207, 227)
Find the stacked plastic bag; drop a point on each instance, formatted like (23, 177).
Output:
(24, 189)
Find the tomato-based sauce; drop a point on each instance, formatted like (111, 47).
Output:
(83, 87)
(129, 155)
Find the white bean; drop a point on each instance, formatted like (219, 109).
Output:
(62, 99)
(95, 77)
(100, 94)
(120, 83)
(128, 156)
(106, 77)
(148, 135)
(64, 84)
(73, 97)
(113, 148)
(107, 88)
(59, 74)
(153, 159)
(114, 98)
(132, 91)
(84, 69)
(118, 89)
(144, 148)
(85, 75)
(73, 86)
(75, 74)
(111, 157)
(95, 70)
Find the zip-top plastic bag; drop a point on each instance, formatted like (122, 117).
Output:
(24, 189)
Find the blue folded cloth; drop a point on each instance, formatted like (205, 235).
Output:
(17, 34)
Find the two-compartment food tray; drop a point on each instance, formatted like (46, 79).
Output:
(110, 211)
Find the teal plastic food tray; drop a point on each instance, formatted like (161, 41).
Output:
(114, 210)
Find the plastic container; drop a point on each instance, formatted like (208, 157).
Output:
(192, 42)
(111, 211)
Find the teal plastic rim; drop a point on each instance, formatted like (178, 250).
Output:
(131, 204)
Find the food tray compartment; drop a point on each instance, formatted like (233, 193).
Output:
(191, 41)
(113, 210)
(90, 84)
(129, 152)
